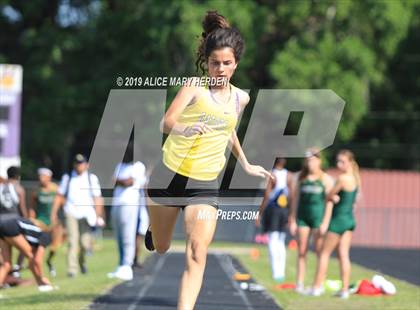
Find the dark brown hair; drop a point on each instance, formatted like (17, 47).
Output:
(305, 170)
(218, 34)
(280, 161)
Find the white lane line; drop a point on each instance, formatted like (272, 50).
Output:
(149, 283)
(227, 267)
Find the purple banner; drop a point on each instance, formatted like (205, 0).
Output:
(10, 110)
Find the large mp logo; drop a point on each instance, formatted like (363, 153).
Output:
(141, 110)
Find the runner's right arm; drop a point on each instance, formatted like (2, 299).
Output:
(169, 123)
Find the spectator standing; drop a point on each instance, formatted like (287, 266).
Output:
(80, 193)
(130, 178)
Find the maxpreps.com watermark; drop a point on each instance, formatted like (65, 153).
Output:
(165, 81)
(228, 215)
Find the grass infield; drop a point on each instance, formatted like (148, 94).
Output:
(407, 297)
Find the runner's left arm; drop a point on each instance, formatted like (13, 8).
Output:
(254, 170)
(235, 145)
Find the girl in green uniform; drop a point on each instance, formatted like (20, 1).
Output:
(307, 211)
(40, 212)
(339, 229)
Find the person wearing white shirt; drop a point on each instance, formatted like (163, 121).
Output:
(274, 214)
(130, 179)
(80, 193)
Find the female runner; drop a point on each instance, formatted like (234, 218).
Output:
(201, 123)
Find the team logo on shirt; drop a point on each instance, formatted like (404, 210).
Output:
(46, 199)
(213, 121)
(312, 189)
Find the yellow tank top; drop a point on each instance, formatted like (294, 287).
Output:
(202, 157)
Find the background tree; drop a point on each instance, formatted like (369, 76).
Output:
(73, 50)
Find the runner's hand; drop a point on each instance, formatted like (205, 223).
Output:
(198, 128)
(258, 171)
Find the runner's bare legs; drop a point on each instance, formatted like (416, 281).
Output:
(199, 234)
(162, 220)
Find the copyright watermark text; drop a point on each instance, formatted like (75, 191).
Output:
(165, 81)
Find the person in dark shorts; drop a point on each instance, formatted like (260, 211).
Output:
(13, 201)
(21, 233)
(274, 213)
(201, 122)
(339, 223)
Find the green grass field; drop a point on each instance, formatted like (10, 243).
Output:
(74, 293)
(407, 297)
(79, 292)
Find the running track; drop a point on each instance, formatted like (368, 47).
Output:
(155, 287)
(403, 264)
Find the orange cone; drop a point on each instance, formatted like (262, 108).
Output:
(241, 276)
(292, 244)
(255, 254)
